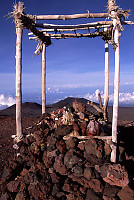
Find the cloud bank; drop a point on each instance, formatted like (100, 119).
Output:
(126, 98)
(6, 101)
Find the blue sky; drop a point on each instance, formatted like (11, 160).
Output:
(70, 62)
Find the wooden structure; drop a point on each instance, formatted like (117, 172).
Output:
(109, 30)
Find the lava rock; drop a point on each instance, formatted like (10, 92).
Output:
(115, 174)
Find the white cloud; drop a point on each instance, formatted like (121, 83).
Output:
(6, 101)
(124, 97)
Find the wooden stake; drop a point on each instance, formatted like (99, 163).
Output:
(44, 79)
(106, 89)
(19, 31)
(116, 92)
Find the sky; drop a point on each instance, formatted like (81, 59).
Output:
(70, 63)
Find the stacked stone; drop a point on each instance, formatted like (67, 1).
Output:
(49, 167)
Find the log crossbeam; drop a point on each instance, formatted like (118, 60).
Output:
(71, 35)
(29, 24)
(74, 16)
(78, 26)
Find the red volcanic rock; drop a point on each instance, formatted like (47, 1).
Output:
(91, 195)
(54, 177)
(88, 173)
(83, 126)
(61, 146)
(13, 186)
(93, 128)
(79, 107)
(59, 166)
(126, 193)
(110, 191)
(115, 174)
(81, 145)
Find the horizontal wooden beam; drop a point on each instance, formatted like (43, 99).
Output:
(71, 30)
(74, 16)
(88, 25)
(69, 35)
(127, 23)
(88, 137)
(28, 23)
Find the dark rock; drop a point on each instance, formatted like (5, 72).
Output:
(91, 195)
(93, 128)
(94, 147)
(110, 191)
(51, 141)
(5, 173)
(76, 129)
(83, 126)
(83, 190)
(114, 174)
(60, 194)
(107, 149)
(63, 130)
(13, 186)
(39, 137)
(55, 189)
(70, 159)
(81, 145)
(34, 148)
(79, 107)
(78, 170)
(47, 159)
(55, 178)
(4, 196)
(31, 178)
(70, 197)
(66, 187)
(21, 195)
(70, 143)
(23, 149)
(59, 166)
(126, 193)
(61, 146)
(94, 184)
(88, 173)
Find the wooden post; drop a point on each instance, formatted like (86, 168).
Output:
(44, 79)
(19, 31)
(116, 92)
(106, 89)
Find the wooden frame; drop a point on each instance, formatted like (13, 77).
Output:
(108, 30)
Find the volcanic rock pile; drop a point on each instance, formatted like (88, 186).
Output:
(51, 162)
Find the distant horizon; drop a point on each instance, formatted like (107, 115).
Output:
(53, 95)
(74, 67)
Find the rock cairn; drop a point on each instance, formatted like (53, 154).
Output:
(52, 163)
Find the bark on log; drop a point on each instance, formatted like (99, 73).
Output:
(100, 100)
(69, 35)
(96, 107)
(28, 23)
(44, 79)
(105, 113)
(74, 16)
(19, 31)
(71, 30)
(53, 26)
